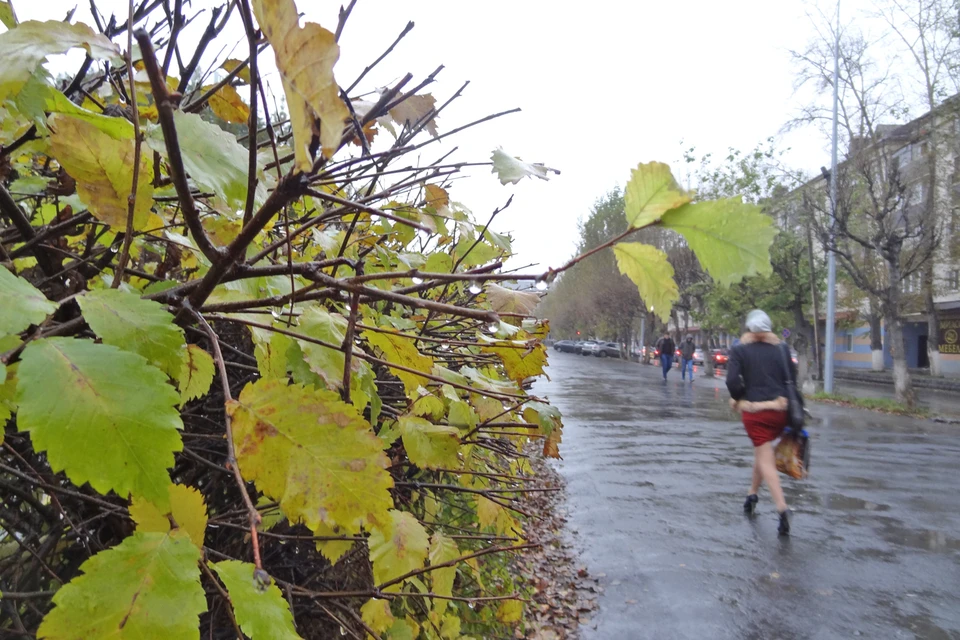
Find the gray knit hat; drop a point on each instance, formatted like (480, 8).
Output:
(759, 322)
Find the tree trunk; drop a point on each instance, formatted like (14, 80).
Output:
(876, 336)
(933, 323)
(903, 387)
(707, 340)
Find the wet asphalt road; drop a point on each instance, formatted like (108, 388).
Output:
(656, 476)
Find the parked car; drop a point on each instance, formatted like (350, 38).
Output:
(586, 349)
(720, 357)
(698, 356)
(607, 350)
(565, 346)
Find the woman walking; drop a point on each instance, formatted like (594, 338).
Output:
(756, 379)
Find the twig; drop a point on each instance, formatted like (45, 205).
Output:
(407, 29)
(342, 22)
(348, 345)
(253, 515)
(10, 208)
(137, 142)
(178, 174)
(252, 122)
(451, 563)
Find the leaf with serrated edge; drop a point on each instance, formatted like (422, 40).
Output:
(430, 446)
(397, 547)
(103, 169)
(196, 373)
(186, 508)
(305, 58)
(506, 300)
(651, 192)
(147, 587)
(25, 47)
(227, 105)
(332, 550)
(211, 156)
(403, 351)
(331, 328)
(376, 613)
(412, 110)
(651, 271)
(312, 453)
(511, 170)
(520, 361)
(442, 550)
(21, 304)
(263, 614)
(730, 238)
(114, 422)
(145, 327)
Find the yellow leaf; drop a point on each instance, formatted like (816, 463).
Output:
(509, 301)
(412, 110)
(400, 350)
(521, 360)
(305, 58)
(397, 547)
(442, 550)
(510, 611)
(332, 550)
(196, 373)
(232, 64)
(186, 508)
(650, 270)
(430, 446)
(651, 192)
(377, 615)
(312, 453)
(103, 169)
(227, 104)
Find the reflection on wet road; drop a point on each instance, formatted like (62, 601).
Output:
(656, 477)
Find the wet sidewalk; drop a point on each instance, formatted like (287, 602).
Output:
(656, 475)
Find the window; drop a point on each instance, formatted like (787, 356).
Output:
(953, 280)
(912, 283)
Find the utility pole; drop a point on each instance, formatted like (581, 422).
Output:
(816, 305)
(831, 258)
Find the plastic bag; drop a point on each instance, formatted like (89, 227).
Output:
(793, 454)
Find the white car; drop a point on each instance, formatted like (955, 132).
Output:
(589, 348)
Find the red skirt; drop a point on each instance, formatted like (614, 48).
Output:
(764, 426)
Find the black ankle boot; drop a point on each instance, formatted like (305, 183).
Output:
(750, 503)
(784, 528)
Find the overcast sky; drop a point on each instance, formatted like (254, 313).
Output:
(603, 86)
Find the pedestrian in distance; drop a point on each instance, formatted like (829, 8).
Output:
(756, 379)
(686, 358)
(666, 347)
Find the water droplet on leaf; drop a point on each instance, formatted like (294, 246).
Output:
(417, 280)
(475, 289)
(541, 285)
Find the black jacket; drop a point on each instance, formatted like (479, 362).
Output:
(686, 349)
(755, 371)
(666, 346)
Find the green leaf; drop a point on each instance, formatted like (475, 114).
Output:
(145, 327)
(6, 15)
(312, 453)
(511, 170)
(462, 415)
(652, 272)
(651, 192)
(187, 509)
(25, 47)
(439, 263)
(261, 610)
(196, 373)
(271, 353)
(212, 157)
(403, 351)
(8, 391)
(430, 446)
(730, 238)
(510, 611)
(103, 169)
(114, 422)
(442, 550)
(331, 328)
(21, 304)
(37, 98)
(145, 588)
(397, 547)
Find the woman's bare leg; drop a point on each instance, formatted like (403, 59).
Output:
(766, 463)
(755, 481)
